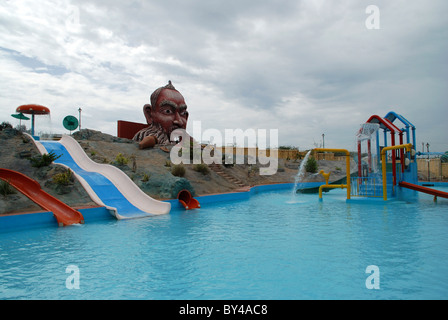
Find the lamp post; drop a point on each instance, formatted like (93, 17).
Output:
(427, 148)
(323, 141)
(79, 110)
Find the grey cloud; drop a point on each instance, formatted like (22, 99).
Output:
(255, 55)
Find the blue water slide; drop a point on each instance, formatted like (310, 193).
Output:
(105, 190)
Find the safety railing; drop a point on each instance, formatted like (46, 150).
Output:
(366, 187)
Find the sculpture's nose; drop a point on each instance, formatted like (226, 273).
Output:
(177, 118)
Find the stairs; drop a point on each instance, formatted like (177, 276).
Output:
(217, 168)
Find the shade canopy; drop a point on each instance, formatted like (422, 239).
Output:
(20, 116)
(33, 109)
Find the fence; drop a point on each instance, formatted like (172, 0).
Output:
(432, 169)
(287, 154)
(366, 187)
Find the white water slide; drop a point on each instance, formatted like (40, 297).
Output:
(106, 185)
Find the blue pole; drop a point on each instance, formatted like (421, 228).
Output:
(32, 124)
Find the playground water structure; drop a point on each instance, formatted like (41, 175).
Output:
(396, 177)
(34, 110)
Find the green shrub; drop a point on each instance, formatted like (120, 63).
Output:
(6, 188)
(44, 160)
(121, 160)
(145, 177)
(288, 148)
(178, 170)
(444, 158)
(311, 165)
(202, 168)
(63, 178)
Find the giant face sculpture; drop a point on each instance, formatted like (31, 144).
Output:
(167, 112)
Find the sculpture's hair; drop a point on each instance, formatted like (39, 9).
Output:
(156, 93)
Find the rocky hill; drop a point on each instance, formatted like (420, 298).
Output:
(150, 169)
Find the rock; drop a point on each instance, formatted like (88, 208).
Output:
(8, 133)
(93, 135)
(166, 186)
(25, 154)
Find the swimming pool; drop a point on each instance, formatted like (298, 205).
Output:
(271, 246)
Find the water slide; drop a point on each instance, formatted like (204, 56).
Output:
(187, 200)
(106, 185)
(436, 193)
(64, 214)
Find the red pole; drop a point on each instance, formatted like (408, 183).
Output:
(394, 169)
(359, 160)
(370, 155)
(402, 153)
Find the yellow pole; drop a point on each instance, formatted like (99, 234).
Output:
(407, 146)
(347, 163)
(330, 186)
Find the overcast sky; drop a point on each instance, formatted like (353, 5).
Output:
(305, 67)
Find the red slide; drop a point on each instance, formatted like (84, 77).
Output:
(64, 214)
(433, 192)
(186, 199)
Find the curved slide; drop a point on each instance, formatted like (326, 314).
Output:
(187, 200)
(64, 214)
(107, 185)
(436, 193)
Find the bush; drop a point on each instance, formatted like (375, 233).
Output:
(178, 170)
(6, 188)
(121, 160)
(63, 178)
(311, 165)
(5, 125)
(145, 177)
(444, 158)
(202, 168)
(44, 160)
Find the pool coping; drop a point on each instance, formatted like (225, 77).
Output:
(31, 220)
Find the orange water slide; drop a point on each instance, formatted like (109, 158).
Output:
(435, 193)
(187, 200)
(64, 214)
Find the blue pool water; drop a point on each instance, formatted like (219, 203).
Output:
(272, 246)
